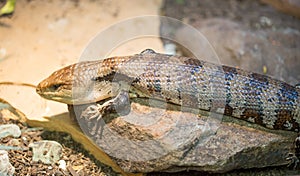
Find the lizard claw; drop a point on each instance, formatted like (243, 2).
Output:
(293, 160)
(120, 104)
(89, 115)
(93, 113)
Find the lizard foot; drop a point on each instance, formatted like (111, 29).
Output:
(94, 113)
(91, 116)
(293, 158)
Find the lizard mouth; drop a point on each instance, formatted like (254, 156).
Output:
(55, 97)
(59, 96)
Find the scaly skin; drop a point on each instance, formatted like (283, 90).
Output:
(179, 80)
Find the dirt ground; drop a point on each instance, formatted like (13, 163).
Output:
(42, 36)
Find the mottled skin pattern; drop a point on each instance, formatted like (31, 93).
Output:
(180, 80)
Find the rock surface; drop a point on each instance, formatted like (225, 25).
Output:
(154, 139)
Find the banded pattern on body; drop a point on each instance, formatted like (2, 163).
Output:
(180, 80)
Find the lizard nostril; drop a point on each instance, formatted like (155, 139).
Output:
(38, 90)
(41, 87)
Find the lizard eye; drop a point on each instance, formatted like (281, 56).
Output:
(55, 86)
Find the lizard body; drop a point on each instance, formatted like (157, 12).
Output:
(179, 80)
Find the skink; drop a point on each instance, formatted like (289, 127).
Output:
(180, 80)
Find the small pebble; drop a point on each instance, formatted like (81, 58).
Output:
(5, 166)
(24, 138)
(9, 130)
(62, 164)
(14, 142)
(48, 152)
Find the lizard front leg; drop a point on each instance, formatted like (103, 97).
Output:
(294, 157)
(94, 113)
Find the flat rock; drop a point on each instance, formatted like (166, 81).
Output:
(152, 139)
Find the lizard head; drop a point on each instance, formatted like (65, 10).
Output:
(76, 84)
(58, 85)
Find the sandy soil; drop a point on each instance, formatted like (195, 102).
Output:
(43, 36)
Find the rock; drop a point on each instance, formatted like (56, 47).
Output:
(291, 7)
(7, 111)
(48, 152)
(62, 164)
(9, 130)
(151, 139)
(6, 169)
(276, 50)
(14, 142)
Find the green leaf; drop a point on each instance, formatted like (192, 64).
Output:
(8, 8)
